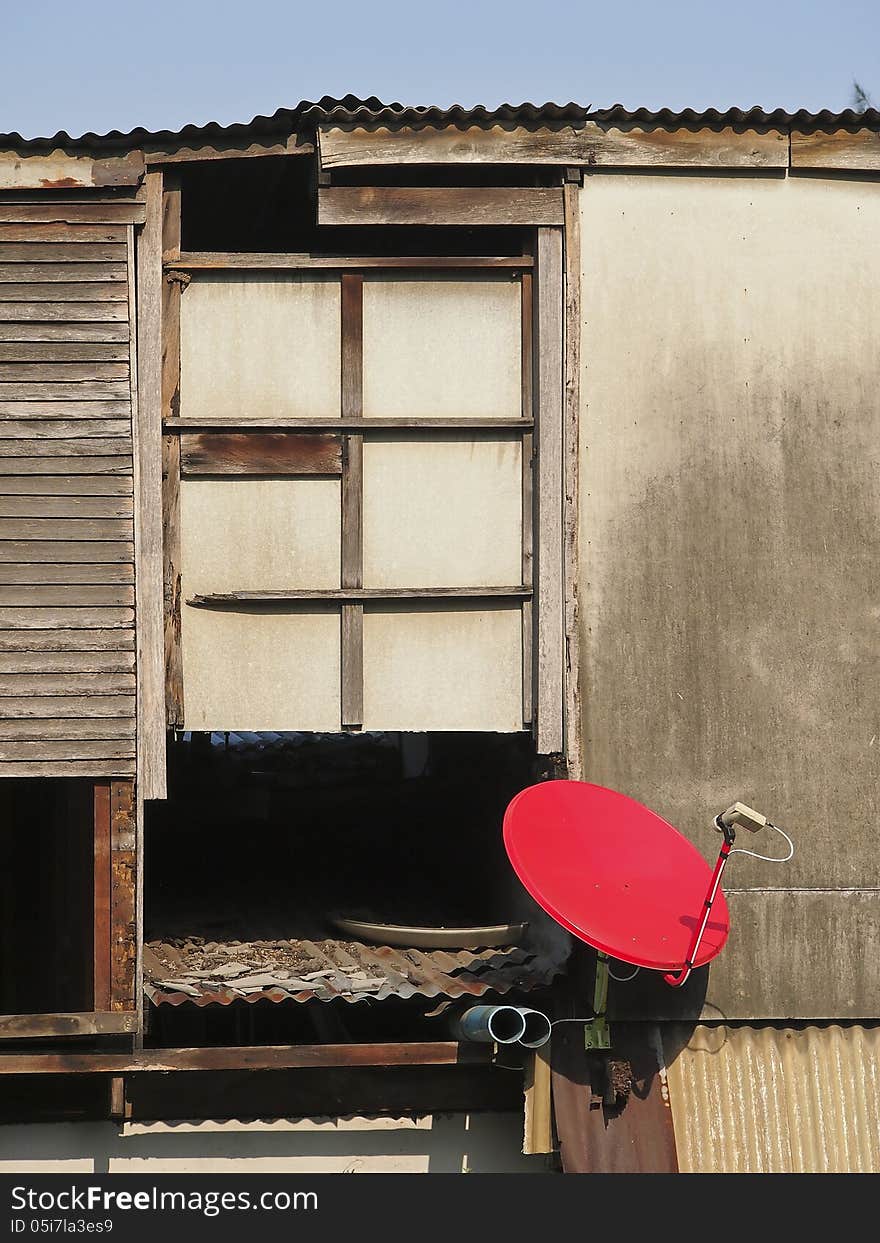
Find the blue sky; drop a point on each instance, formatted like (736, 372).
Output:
(95, 65)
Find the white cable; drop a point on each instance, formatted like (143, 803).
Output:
(738, 850)
(623, 979)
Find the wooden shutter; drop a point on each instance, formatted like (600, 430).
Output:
(67, 640)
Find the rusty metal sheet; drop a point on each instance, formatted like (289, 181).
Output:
(304, 970)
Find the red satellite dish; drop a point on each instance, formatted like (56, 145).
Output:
(615, 874)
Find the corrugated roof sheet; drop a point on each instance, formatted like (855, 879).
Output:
(351, 110)
(775, 1099)
(337, 970)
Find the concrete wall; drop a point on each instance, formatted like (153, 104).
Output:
(730, 439)
(441, 1143)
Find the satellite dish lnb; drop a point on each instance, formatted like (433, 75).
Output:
(620, 878)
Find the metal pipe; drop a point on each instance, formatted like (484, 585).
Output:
(485, 1024)
(538, 1028)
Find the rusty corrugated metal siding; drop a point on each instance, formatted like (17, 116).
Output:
(775, 1099)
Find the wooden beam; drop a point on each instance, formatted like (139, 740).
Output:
(383, 425)
(538, 1107)
(55, 170)
(442, 205)
(362, 594)
(259, 453)
(590, 144)
(570, 450)
(171, 294)
(123, 885)
(352, 568)
(48, 1026)
(549, 402)
(841, 151)
(528, 494)
(147, 424)
(101, 893)
(246, 1057)
(194, 261)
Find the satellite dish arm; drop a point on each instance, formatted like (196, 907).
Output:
(677, 978)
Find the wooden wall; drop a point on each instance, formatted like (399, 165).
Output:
(67, 641)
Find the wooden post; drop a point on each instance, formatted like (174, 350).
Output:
(572, 700)
(549, 411)
(123, 921)
(171, 294)
(528, 506)
(352, 621)
(148, 501)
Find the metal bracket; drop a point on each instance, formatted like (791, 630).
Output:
(597, 1034)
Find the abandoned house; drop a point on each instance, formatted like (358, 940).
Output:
(362, 466)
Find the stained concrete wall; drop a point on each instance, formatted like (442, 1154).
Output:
(729, 604)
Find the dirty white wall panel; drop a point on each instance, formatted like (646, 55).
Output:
(442, 347)
(446, 512)
(443, 668)
(453, 1143)
(730, 489)
(775, 1100)
(265, 668)
(259, 534)
(260, 346)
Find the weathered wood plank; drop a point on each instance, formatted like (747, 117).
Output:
(50, 212)
(193, 261)
(60, 169)
(66, 640)
(171, 154)
(49, 1026)
(67, 768)
(528, 514)
(574, 756)
(54, 352)
(84, 617)
(87, 234)
(348, 424)
(63, 429)
(549, 395)
(67, 574)
(174, 701)
(119, 464)
(82, 707)
(590, 144)
(39, 729)
(441, 205)
(79, 684)
(66, 550)
(62, 390)
(66, 662)
(66, 528)
(16, 273)
(67, 252)
(65, 331)
(69, 595)
(843, 152)
(100, 409)
(123, 923)
(65, 485)
(41, 370)
(65, 506)
(148, 371)
(352, 615)
(86, 447)
(69, 749)
(63, 312)
(365, 594)
(247, 1057)
(59, 292)
(260, 453)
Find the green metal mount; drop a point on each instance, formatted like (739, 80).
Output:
(597, 1034)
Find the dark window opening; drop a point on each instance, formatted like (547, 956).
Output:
(46, 896)
(268, 842)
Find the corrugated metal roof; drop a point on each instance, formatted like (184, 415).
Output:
(351, 110)
(775, 1099)
(337, 970)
